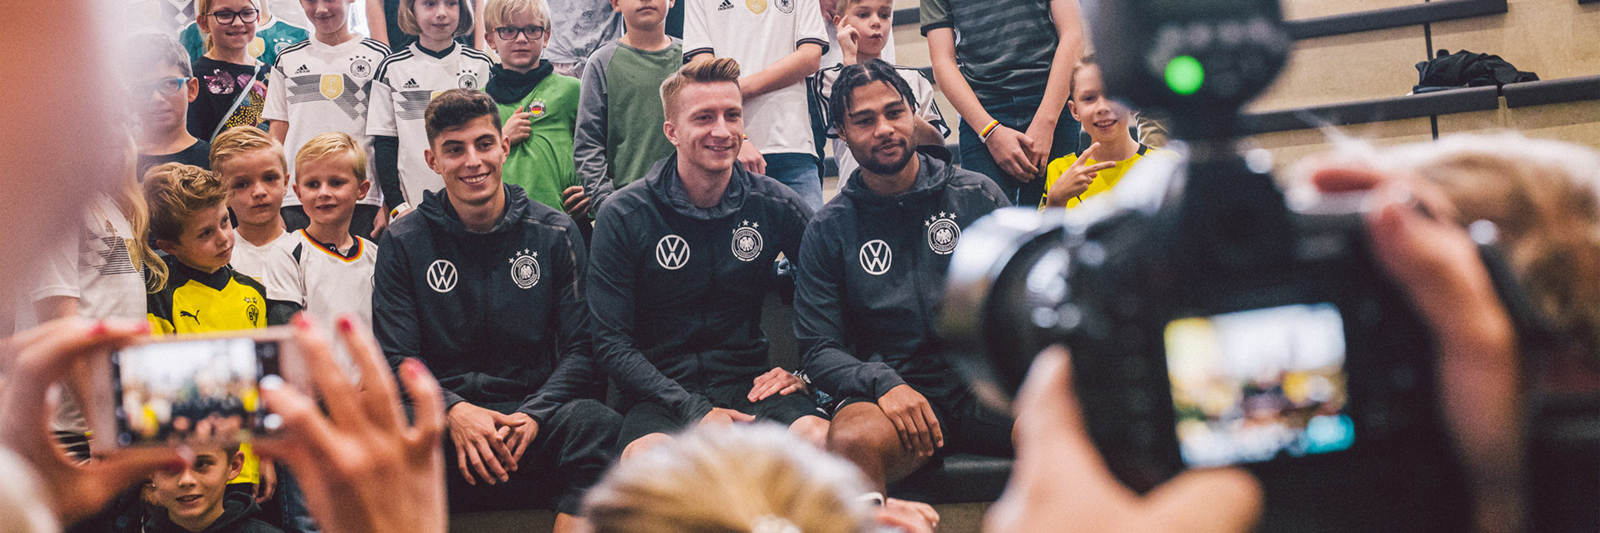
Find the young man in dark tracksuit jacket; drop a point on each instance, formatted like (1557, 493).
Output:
(870, 279)
(486, 288)
(682, 261)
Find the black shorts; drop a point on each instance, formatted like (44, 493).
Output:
(644, 418)
(295, 219)
(571, 451)
(968, 425)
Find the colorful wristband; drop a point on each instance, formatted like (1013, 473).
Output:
(984, 135)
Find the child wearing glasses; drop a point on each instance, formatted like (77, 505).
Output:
(405, 83)
(273, 34)
(163, 87)
(538, 106)
(233, 84)
(322, 85)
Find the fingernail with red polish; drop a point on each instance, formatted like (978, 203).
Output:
(346, 324)
(98, 329)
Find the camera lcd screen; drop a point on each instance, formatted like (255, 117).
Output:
(1251, 385)
(195, 391)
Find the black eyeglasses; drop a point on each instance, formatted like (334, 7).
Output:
(226, 17)
(509, 33)
(163, 87)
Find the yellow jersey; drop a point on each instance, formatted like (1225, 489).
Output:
(197, 302)
(1106, 179)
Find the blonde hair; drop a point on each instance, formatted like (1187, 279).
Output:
(407, 17)
(1072, 78)
(715, 70)
(497, 13)
(175, 192)
(129, 199)
(334, 143)
(730, 479)
(1544, 197)
(244, 139)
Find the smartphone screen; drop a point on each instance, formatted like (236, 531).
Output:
(192, 391)
(1251, 385)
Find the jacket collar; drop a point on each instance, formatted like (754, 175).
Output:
(932, 175)
(668, 189)
(436, 207)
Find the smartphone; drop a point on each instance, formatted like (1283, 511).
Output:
(1254, 385)
(197, 389)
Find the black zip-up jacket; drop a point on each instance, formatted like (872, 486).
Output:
(871, 278)
(239, 511)
(498, 317)
(676, 290)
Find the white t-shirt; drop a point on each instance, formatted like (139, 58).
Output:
(318, 88)
(324, 281)
(94, 266)
(821, 85)
(251, 260)
(758, 33)
(406, 82)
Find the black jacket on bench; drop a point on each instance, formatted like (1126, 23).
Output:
(498, 317)
(676, 290)
(871, 278)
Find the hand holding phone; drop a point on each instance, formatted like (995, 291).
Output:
(37, 358)
(363, 467)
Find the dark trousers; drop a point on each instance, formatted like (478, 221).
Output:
(1016, 113)
(571, 451)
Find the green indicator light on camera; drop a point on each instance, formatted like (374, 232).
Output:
(1185, 75)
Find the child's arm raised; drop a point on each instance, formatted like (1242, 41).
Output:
(792, 69)
(811, 41)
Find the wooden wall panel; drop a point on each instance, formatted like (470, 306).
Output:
(1345, 68)
(1304, 9)
(1554, 38)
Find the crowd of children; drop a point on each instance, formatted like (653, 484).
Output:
(271, 157)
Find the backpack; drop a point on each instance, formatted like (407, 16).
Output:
(1467, 69)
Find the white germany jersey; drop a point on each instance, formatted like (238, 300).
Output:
(318, 88)
(821, 87)
(758, 33)
(95, 266)
(406, 82)
(321, 279)
(251, 260)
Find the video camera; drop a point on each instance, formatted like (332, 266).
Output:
(1211, 320)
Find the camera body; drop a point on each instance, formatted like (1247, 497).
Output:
(1213, 321)
(1113, 285)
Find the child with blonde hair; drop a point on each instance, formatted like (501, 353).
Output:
(538, 105)
(322, 85)
(105, 272)
(323, 268)
(251, 166)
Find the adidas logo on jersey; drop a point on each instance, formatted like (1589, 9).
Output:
(726, 5)
(410, 84)
(302, 70)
